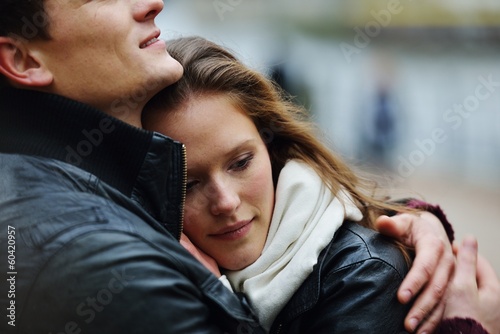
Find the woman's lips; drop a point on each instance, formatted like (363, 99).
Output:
(234, 232)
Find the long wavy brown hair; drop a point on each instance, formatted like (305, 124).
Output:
(210, 69)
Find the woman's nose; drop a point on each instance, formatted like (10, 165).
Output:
(224, 199)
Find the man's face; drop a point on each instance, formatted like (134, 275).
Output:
(105, 52)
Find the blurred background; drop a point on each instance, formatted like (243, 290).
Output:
(406, 90)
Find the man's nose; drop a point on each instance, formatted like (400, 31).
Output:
(145, 10)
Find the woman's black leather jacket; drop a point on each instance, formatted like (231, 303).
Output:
(352, 288)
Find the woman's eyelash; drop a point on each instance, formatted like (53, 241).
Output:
(190, 185)
(242, 164)
(239, 165)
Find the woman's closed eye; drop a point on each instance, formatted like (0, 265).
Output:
(239, 165)
(190, 185)
(243, 163)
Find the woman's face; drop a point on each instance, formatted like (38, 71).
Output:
(230, 192)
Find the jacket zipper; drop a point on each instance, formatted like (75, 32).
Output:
(183, 188)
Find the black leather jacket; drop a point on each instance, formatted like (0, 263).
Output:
(352, 288)
(94, 247)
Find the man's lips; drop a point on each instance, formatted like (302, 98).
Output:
(151, 40)
(148, 43)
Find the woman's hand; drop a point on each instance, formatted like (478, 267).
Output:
(201, 256)
(432, 267)
(474, 291)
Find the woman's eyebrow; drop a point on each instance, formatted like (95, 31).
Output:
(243, 145)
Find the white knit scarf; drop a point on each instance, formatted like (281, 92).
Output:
(305, 218)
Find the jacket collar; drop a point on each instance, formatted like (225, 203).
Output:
(306, 296)
(143, 165)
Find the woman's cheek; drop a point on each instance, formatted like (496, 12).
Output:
(261, 190)
(192, 211)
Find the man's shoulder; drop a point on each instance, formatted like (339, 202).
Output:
(51, 203)
(27, 174)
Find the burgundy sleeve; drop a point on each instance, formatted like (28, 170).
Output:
(460, 325)
(435, 210)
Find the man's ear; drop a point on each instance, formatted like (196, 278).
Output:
(21, 66)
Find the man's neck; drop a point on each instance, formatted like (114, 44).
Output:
(126, 111)
(52, 126)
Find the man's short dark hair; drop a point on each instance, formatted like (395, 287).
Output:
(23, 19)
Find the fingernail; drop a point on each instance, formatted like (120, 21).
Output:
(413, 324)
(406, 295)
